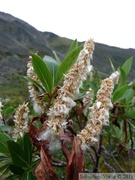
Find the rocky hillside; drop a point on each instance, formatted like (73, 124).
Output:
(18, 38)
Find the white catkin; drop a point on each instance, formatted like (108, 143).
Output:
(99, 112)
(21, 121)
(68, 92)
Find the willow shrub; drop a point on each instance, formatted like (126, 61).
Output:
(75, 122)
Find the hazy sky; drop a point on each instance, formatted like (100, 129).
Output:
(110, 22)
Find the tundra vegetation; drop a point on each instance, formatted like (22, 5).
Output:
(74, 121)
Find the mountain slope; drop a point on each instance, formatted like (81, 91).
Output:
(18, 38)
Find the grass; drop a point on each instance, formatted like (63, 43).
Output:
(17, 92)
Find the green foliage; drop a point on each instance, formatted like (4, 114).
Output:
(50, 71)
(18, 155)
(17, 91)
(67, 63)
(52, 64)
(120, 93)
(5, 128)
(73, 46)
(42, 72)
(123, 89)
(41, 89)
(120, 133)
(20, 158)
(127, 65)
(122, 77)
(130, 113)
(27, 144)
(3, 143)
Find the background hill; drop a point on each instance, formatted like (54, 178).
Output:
(18, 38)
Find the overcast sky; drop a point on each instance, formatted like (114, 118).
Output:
(110, 22)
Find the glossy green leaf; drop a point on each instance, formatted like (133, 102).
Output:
(73, 46)
(20, 142)
(67, 63)
(56, 57)
(28, 176)
(41, 89)
(119, 93)
(4, 167)
(8, 111)
(3, 143)
(129, 95)
(5, 128)
(27, 148)
(6, 170)
(3, 157)
(13, 177)
(42, 72)
(125, 95)
(127, 65)
(17, 154)
(130, 113)
(52, 64)
(122, 80)
(15, 169)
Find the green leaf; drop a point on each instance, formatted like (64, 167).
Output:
(125, 95)
(130, 122)
(56, 57)
(28, 176)
(129, 95)
(42, 72)
(27, 148)
(12, 176)
(52, 64)
(73, 46)
(15, 169)
(130, 113)
(3, 143)
(92, 85)
(112, 65)
(6, 170)
(41, 89)
(4, 167)
(17, 154)
(119, 93)
(8, 111)
(20, 142)
(127, 65)
(34, 164)
(122, 80)
(3, 157)
(5, 128)
(67, 63)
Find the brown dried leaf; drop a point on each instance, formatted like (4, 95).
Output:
(76, 162)
(65, 137)
(34, 133)
(45, 170)
(65, 151)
